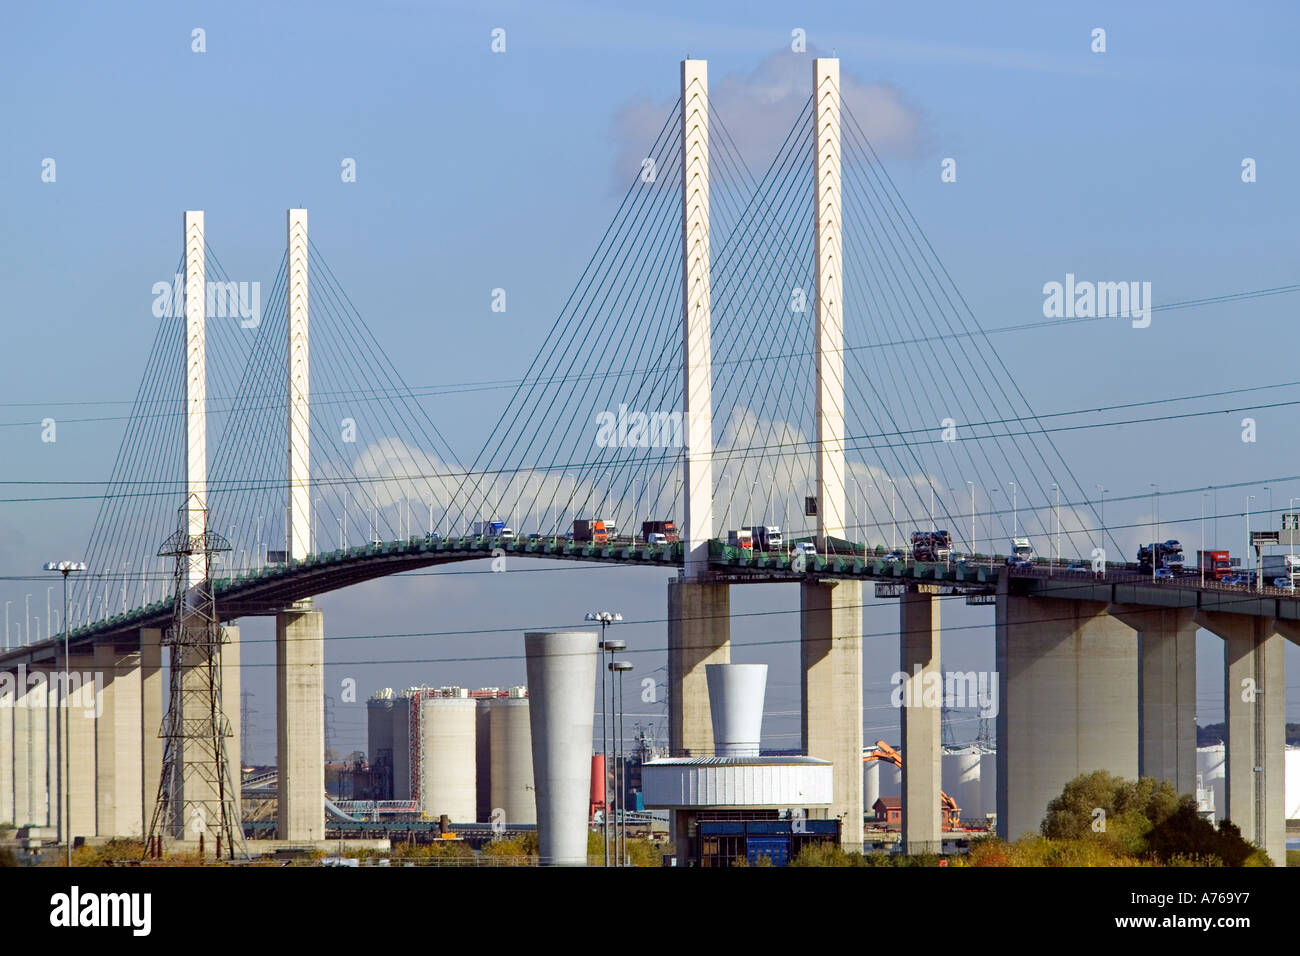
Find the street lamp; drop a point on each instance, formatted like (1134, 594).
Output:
(7, 603)
(1249, 498)
(620, 780)
(605, 618)
(1015, 527)
(973, 549)
(1201, 554)
(1058, 527)
(65, 568)
(893, 519)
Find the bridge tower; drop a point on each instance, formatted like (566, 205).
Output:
(831, 611)
(299, 630)
(699, 611)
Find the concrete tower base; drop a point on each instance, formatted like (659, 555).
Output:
(118, 760)
(922, 723)
(300, 722)
(1254, 701)
(830, 648)
(699, 633)
(1067, 690)
(1167, 692)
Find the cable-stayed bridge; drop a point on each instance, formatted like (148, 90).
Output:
(740, 351)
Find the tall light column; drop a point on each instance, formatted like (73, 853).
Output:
(299, 390)
(696, 318)
(830, 300)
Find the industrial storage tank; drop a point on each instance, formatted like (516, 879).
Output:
(1291, 796)
(891, 779)
(870, 784)
(512, 759)
(447, 770)
(1211, 764)
(483, 753)
(379, 741)
(402, 745)
(961, 781)
(988, 784)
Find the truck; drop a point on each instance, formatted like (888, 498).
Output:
(767, 537)
(1160, 554)
(1021, 551)
(932, 546)
(740, 539)
(488, 529)
(1279, 566)
(665, 528)
(1216, 565)
(591, 530)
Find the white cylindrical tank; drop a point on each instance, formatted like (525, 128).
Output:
(891, 779)
(736, 705)
(1212, 765)
(961, 781)
(402, 747)
(988, 784)
(447, 773)
(512, 762)
(1291, 799)
(870, 784)
(561, 668)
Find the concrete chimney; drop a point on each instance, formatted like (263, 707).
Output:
(736, 702)
(561, 668)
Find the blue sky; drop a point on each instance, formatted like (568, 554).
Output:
(477, 171)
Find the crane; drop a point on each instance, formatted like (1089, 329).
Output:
(947, 805)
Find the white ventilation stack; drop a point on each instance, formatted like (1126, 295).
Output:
(562, 684)
(736, 694)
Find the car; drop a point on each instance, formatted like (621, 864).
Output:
(568, 536)
(534, 536)
(806, 548)
(433, 536)
(656, 540)
(1076, 567)
(1235, 579)
(1284, 582)
(1164, 574)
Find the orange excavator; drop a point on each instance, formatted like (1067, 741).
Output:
(947, 805)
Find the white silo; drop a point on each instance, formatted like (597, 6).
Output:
(870, 784)
(1211, 764)
(961, 781)
(736, 706)
(562, 682)
(1291, 797)
(988, 784)
(447, 772)
(512, 759)
(891, 779)
(402, 746)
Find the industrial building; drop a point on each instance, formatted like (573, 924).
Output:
(450, 751)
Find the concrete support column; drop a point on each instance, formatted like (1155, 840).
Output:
(1254, 700)
(29, 748)
(699, 634)
(300, 722)
(1067, 691)
(8, 699)
(231, 704)
(77, 712)
(118, 754)
(1166, 692)
(830, 649)
(151, 715)
(922, 723)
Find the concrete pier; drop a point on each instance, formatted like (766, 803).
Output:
(1067, 692)
(1254, 700)
(922, 723)
(8, 698)
(118, 755)
(300, 722)
(699, 634)
(1166, 692)
(562, 687)
(830, 650)
(151, 715)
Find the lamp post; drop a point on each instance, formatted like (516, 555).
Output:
(65, 568)
(1249, 498)
(1102, 537)
(1201, 556)
(893, 520)
(7, 603)
(973, 549)
(605, 618)
(1058, 528)
(1014, 518)
(620, 780)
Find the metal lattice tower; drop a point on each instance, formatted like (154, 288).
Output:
(196, 795)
